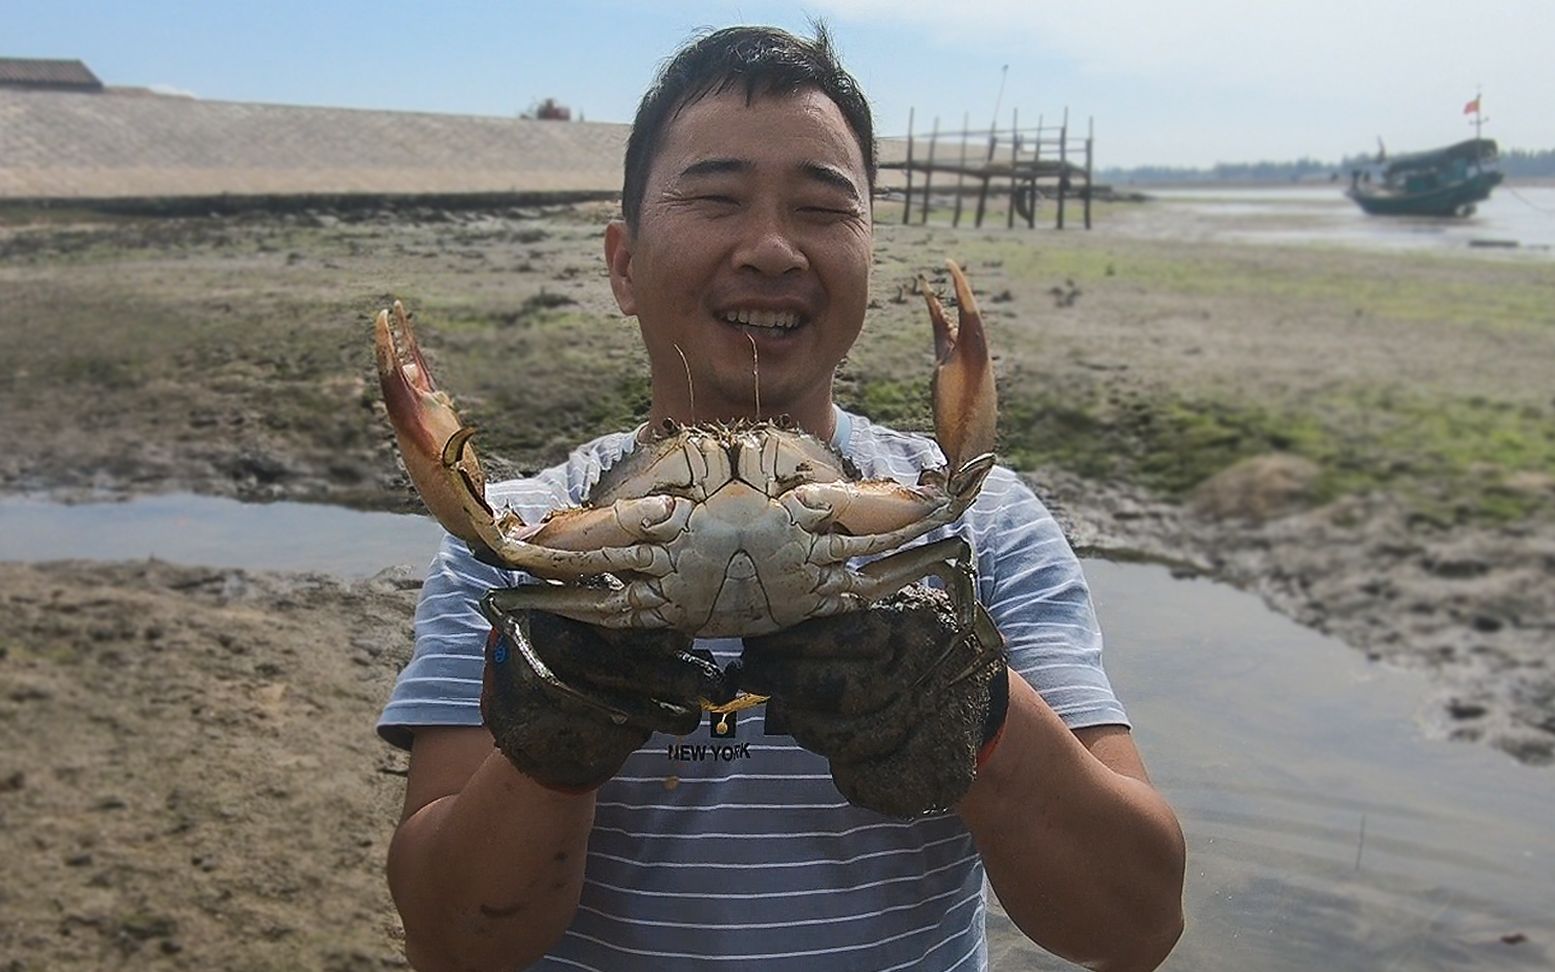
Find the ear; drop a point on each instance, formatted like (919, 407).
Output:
(618, 258)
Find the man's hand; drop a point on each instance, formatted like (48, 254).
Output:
(895, 697)
(567, 702)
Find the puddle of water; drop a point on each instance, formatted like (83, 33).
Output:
(214, 532)
(1325, 831)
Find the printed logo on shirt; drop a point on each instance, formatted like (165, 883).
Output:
(705, 752)
(720, 725)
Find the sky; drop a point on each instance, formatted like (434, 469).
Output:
(1167, 82)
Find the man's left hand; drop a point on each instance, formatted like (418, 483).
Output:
(896, 698)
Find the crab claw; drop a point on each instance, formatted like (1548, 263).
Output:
(433, 441)
(965, 406)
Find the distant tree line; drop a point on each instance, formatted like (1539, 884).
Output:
(1526, 163)
(1516, 163)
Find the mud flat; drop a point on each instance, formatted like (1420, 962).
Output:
(188, 773)
(1365, 439)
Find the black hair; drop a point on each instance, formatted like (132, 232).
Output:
(765, 61)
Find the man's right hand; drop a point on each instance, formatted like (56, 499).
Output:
(568, 702)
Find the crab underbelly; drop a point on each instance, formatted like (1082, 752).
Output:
(747, 571)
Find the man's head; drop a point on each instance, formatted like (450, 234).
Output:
(746, 247)
(755, 61)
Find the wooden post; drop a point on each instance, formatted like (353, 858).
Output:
(1036, 172)
(907, 202)
(966, 129)
(1009, 216)
(1090, 140)
(1063, 166)
(928, 175)
(982, 197)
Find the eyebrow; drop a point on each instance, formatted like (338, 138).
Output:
(716, 167)
(821, 172)
(831, 176)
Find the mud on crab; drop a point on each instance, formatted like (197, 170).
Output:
(718, 530)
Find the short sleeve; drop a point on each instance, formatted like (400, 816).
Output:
(441, 686)
(1031, 583)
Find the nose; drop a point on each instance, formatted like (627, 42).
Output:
(768, 246)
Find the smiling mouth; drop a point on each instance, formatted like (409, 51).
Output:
(769, 321)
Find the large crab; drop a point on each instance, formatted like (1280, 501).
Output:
(716, 530)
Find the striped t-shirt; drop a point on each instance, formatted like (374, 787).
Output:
(731, 848)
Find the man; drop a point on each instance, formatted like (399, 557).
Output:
(747, 222)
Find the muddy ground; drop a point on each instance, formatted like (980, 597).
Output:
(1367, 440)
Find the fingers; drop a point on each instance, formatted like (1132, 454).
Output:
(833, 664)
(656, 663)
(648, 679)
(843, 737)
(857, 662)
(833, 685)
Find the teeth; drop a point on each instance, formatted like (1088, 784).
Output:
(782, 320)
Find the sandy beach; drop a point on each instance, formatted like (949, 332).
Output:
(1365, 439)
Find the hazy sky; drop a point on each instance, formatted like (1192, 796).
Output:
(1190, 82)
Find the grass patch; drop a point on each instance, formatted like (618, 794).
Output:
(1450, 459)
(622, 405)
(102, 372)
(902, 403)
(1429, 288)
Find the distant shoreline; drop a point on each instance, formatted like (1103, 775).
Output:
(1339, 184)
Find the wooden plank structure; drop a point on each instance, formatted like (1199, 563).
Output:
(1027, 164)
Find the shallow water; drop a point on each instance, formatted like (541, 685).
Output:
(1517, 220)
(1326, 831)
(209, 531)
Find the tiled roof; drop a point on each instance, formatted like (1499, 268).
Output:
(41, 72)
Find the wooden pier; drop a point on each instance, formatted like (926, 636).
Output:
(1026, 165)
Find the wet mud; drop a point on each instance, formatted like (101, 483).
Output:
(188, 772)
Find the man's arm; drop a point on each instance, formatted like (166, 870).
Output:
(1086, 857)
(486, 865)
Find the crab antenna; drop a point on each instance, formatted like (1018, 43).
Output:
(691, 389)
(755, 373)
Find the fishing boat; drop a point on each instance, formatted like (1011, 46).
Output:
(1442, 182)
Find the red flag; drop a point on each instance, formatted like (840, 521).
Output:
(1472, 108)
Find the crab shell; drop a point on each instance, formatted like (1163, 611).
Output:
(713, 530)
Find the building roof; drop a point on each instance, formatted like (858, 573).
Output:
(33, 72)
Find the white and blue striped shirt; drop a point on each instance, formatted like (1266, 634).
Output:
(732, 851)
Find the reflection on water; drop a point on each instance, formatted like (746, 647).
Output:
(1515, 219)
(1325, 831)
(205, 530)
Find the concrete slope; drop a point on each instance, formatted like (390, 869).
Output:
(64, 145)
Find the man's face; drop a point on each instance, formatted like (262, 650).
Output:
(751, 254)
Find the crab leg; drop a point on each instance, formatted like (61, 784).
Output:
(952, 561)
(880, 506)
(431, 436)
(875, 516)
(965, 405)
(434, 443)
(633, 605)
